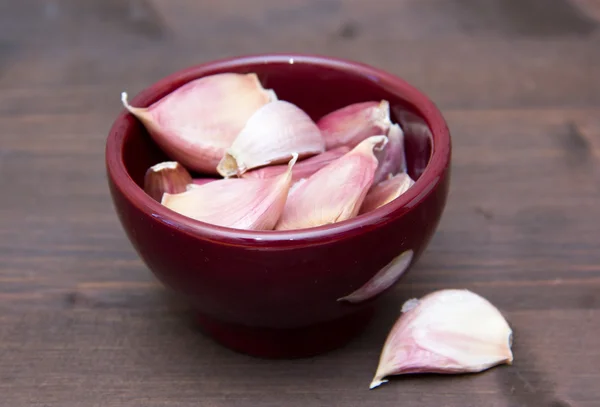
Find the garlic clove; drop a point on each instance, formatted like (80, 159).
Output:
(392, 159)
(168, 176)
(254, 204)
(447, 331)
(295, 185)
(352, 124)
(334, 193)
(270, 136)
(198, 121)
(384, 279)
(418, 134)
(303, 169)
(386, 191)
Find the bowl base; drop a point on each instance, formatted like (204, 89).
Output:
(286, 343)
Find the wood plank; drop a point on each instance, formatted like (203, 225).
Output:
(155, 358)
(460, 59)
(82, 320)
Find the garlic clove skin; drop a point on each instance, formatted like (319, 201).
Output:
(270, 136)
(352, 124)
(168, 176)
(302, 169)
(334, 193)
(197, 182)
(196, 123)
(447, 331)
(295, 185)
(392, 159)
(417, 132)
(384, 279)
(251, 204)
(386, 191)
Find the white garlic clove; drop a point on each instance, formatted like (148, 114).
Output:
(197, 122)
(271, 136)
(334, 193)
(447, 331)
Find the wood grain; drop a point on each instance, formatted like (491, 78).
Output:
(83, 322)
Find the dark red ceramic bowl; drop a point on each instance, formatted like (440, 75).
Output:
(277, 294)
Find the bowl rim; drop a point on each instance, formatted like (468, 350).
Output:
(429, 179)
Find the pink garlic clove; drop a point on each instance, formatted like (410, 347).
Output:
(295, 185)
(335, 192)
(384, 279)
(418, 135)
(392, 159)
(302, 169)
(197, 122)
(386, 191)
(447, 331)
(352, 124)
(166, 177)
(271, 136)
(254, 204)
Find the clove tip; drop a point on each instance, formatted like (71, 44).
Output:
(228, 166)
(376, 382)
(124, 100)
(379, 142)
(293, 160)
(384, 111)
(133, 110)
(409, 305)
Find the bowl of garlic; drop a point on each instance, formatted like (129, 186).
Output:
(281, 195)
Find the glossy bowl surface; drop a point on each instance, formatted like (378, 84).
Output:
(275, 294)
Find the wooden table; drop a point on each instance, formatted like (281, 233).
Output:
(84, 323)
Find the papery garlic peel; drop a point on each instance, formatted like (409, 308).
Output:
(334, 193)
(197, 122)
(270, 136)
(302, 169)
(352, 124)
(447, 331)
(386, 191)
(254, 204)
(168, 176)
(384, 279)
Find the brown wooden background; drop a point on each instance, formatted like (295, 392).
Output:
(82, 321)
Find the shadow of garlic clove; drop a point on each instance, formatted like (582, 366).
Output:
(252, 204)
(334, 193)
(270, 136)
(352, 124)
(447, 331)
(386, 191)
(166, 177)
(197, 122)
